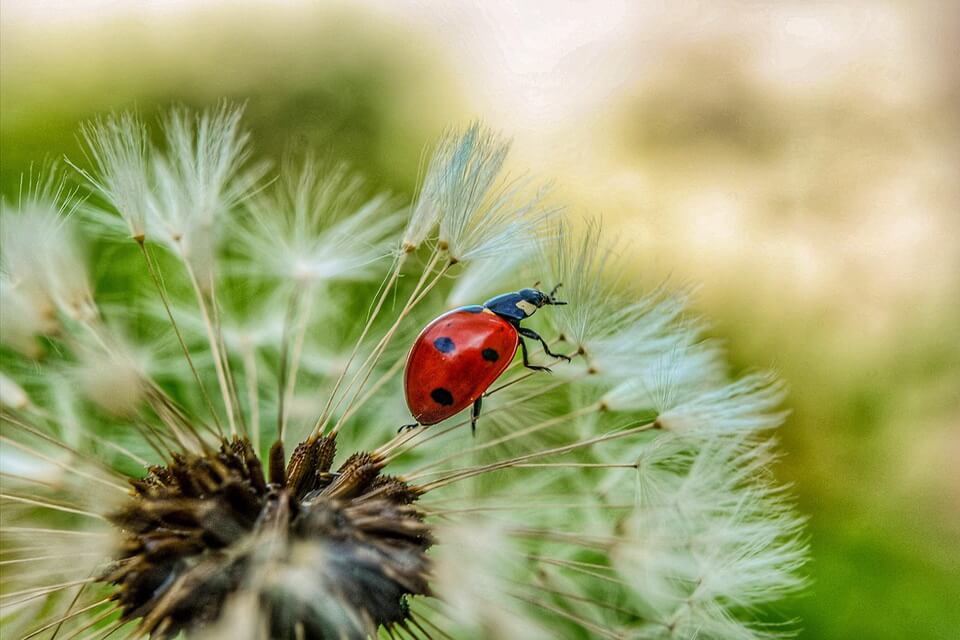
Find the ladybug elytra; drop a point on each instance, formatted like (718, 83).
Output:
(460, 354)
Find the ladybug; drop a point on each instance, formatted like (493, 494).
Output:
(459, 355)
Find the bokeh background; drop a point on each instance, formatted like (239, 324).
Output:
(798, 161)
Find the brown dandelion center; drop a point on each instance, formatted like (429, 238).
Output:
(325, 555)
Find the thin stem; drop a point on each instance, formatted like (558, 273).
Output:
(106, 632)
(179, 414)
(413, 619)
(573, 596)
(371, 361)
(218, 325)
(70, 607)
(403, 438)
(253, 392)
(583, 622)
(528, 506)
(284, 354)
(299, 338)
(363, 334)
(57, 556)
(50, 505)
(66, 617)
(563, 562)
(62, 465)
(32, 531)
(218, 362)
(579, 465)
(374, 355)
(158, 283)
(93, 622)
(469, 472)
(576, 538)
(506, 438)
(19, 424)
(578, 567)
(392, 371)
(523, 376)
(118, 448)
(36, 592)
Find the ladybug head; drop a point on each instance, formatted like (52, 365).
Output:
(517, 305)
(538, 298)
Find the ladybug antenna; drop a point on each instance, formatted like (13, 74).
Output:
(536, 284)
(551, 299)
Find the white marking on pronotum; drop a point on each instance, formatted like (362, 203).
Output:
(526, 307)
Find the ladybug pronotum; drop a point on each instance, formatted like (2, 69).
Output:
(459, 355)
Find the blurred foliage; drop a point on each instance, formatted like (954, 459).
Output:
(884, 521)
(329, 82)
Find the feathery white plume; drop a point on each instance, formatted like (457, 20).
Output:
(482, 212)
(41, 260)
(748, 404)
(714, 538)
(476, 564)
(314, 227)
(12, 394)
(119, 148)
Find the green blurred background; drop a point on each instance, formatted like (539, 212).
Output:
(798, 161)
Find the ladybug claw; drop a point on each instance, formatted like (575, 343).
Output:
(408, 427)
(539, 368)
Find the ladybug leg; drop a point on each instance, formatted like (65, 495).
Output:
(408, 427)
(475, 414)
(526, 357)
(530, 333)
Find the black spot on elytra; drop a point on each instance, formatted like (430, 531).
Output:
(490, 355)
(442, 396)
(444, 344)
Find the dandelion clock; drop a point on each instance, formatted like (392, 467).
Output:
(203, 387)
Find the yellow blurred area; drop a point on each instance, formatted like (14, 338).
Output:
(799, 161)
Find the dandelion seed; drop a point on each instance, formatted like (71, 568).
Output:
(324, 231)
(482, 213)
(195, 492)
(119, 148)
(477, 560)
(22, 321)
(41, 257)
(113, 379)
(12, 394)
(749, 404)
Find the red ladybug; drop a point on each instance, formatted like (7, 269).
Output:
(459, 355)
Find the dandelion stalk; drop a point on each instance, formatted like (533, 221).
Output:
(158, 283)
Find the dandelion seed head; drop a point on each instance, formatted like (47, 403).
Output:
(311, 548)
(219, 437)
